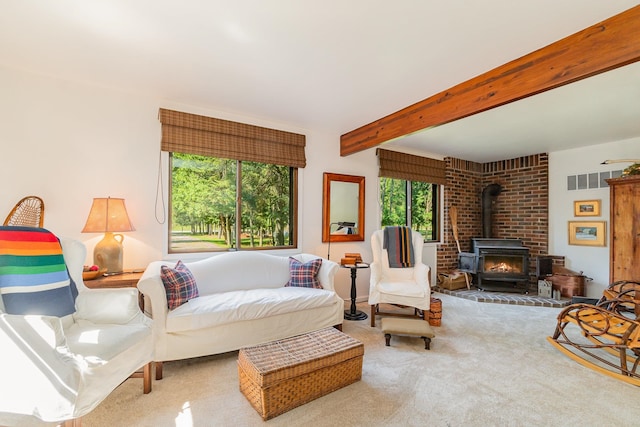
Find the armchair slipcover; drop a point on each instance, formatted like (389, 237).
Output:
(407, 286)
(57, 369)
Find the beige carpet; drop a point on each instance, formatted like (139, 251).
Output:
(489, 365)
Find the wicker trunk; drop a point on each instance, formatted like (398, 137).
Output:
(279, 376)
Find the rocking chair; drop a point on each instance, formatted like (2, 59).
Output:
(28, 212)
(607, 337)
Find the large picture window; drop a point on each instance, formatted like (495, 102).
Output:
(208, 194)
(410, 203)
(232, 185)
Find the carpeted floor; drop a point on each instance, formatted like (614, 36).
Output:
(489, 365)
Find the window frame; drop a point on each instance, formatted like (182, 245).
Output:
(436, 191)
(293, 212)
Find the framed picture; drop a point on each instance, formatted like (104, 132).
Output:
(586, 208)
(587, 233)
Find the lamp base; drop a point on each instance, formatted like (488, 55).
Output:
(108, 253)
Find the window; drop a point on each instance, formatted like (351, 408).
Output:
(207, 194)
(409, 191)
(410, 203)
(232, 185)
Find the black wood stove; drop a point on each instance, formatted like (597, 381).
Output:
(498, 264)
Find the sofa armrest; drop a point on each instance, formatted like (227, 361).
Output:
(155, 296)
(327, 271)
(327, 274)
(115, 306)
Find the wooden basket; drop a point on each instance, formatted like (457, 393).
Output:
(90, 275)
(279, 376)
(452, 281)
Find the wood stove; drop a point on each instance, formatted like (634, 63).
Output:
(498, 264)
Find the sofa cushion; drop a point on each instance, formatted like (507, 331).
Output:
(304, 275)
(237, 306)
(33, 274)
(179, 284)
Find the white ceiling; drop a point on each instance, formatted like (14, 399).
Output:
(333, 65)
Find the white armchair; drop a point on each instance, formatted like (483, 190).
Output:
(57, 369)
(405, 287)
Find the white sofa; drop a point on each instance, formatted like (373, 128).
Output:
(58, 369)
(242, 301)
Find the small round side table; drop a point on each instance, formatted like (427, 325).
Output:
(352, 313)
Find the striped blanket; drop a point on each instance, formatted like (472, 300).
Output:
(397, 241)
(33, 275)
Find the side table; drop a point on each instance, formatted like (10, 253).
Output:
(352, 313)
(128, 279)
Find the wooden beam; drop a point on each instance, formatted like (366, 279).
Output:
(607, 45)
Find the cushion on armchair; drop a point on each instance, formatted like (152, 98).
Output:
(33, 274)
(116, 306)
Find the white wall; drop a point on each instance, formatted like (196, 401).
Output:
(593, 261)
(68, 142)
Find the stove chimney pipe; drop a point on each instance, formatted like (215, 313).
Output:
(489, 194)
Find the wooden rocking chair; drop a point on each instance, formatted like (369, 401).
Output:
(607, 338)
(28, 212)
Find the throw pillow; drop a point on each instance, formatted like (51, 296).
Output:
(33, 275)
(304, 275)
(179, 284)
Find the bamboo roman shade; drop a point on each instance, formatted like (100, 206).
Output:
(208, 136)
(411, 168)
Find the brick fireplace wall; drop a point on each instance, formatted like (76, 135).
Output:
(519, 212)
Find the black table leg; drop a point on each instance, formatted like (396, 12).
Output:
(354, 314)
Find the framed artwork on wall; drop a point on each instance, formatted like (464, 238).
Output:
(586, 208)
(587, 233)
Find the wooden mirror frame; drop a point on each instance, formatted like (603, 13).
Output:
(329, 178)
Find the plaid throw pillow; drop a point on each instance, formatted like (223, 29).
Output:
(179, 284)
(304, 275)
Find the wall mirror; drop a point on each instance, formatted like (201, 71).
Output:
(342, 208)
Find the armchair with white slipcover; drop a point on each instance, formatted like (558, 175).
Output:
(404, 287)
(57, 369)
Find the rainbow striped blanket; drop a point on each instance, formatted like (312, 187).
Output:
(33, 274)
(398, 243)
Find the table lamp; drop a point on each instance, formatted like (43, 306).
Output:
(108, 216)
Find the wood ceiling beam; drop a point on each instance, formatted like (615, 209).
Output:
(607, 45)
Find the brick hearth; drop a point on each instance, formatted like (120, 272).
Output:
(531, 299)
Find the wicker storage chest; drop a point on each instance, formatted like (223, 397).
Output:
(278, 376)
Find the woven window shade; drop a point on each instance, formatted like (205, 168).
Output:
(411, 168)
(208, 136)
